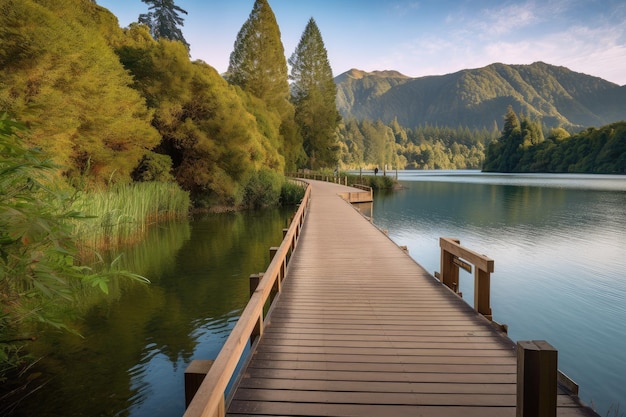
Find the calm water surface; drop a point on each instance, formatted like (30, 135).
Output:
(559, 245)
(138, 342)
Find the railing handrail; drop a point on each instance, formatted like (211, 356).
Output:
(209, 400)
(479, 261)
(452, 255)
(362, 187)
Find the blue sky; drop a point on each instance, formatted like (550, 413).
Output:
(421, 37)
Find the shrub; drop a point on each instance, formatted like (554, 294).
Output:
(377, 182)
(291, 193)
(263, 189)
(154, 167)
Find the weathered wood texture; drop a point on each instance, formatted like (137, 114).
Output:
(360, 329)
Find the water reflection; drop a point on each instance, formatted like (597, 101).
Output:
(559, 251)
(137, 343)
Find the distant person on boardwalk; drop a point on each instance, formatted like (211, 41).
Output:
(376, 171)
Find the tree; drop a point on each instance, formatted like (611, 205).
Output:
(164, 20)
(60, 78)
(258, 66)
(216, 136)
(314, 95)
(511, 123)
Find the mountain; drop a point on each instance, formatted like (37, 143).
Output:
(480, 97)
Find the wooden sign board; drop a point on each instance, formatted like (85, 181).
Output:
(462, 264)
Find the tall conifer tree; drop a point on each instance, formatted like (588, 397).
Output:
(164, 20)
(258, 66)
(314, 95)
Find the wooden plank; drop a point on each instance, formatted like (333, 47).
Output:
(388, 398)
(395, 345)
(378, 351)
(355, 334)
(363, 410)
(324, 375)
(283, 337)
(293, 357)
(377, 386)
(386, 367)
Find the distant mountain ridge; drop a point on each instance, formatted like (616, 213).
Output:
(480, 97)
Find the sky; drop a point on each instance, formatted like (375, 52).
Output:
(420, 37)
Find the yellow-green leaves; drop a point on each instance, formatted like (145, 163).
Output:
(67, 84)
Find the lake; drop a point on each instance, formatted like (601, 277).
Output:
(137, 343)
(559, 246)
(560, 274)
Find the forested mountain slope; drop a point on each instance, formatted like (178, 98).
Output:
(479, 97)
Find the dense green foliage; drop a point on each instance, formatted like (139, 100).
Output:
(314, 95)
(522, 148)
(476, 97)
(367, 144)
(59, 76)
(377, 182)
(291, 193)
(39, 263)
(258, 66)
(215, 144)
(164, 20)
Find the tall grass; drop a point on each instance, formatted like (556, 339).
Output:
(121, 214)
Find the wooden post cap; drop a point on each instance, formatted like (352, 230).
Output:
(194, 375)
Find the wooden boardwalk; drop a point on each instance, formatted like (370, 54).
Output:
(360, 329)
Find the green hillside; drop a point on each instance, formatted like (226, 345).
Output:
(477, 98)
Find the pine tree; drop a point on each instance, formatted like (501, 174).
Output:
(258, 65)
(314, 95)
(164, 20)
(511, 123)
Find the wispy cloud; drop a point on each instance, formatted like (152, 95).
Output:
(406, 7)
(598, 50)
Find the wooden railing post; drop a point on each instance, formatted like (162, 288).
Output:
(194, 375)
(537, 377)
(281, 274)
(255, 280)
(254, 283)
(482, 289)
(453, 256)
(449, 271)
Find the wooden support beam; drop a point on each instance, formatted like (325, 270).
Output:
(449, 270)
(281, 273)
(482, 289)
(255, 279)
(453, 256)
(536, 379)
(194, 375)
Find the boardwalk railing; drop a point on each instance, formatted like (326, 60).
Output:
(209, 400)
(455, 256)
(337, 179)
(359, 196)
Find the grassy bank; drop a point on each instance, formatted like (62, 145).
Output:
(121, 214)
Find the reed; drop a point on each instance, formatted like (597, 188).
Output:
(121, 214)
